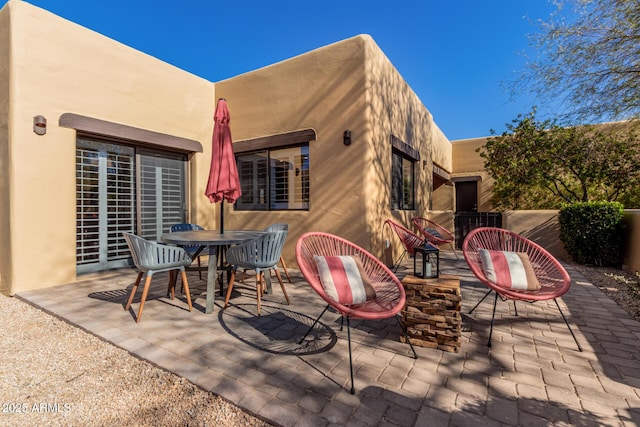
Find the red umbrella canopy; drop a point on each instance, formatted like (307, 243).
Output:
(224, 183)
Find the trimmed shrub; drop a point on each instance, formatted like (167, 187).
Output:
(593, 232)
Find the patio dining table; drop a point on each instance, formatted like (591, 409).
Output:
(213, 239)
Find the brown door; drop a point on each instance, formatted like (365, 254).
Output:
(466, 196)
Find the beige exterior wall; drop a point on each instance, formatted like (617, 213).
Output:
(468, 165)
(323, 90)
(5, 164)
(347, 85)
(397, 110)
(540, 226)
(543, 228)
(57, 67)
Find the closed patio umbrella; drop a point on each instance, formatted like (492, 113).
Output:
(224, 183)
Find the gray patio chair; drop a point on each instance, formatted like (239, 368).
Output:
(152, 257)
(260, 254)
(192, 250)
(283, 227)
(275, 227)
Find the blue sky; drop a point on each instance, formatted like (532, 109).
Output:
(456, 55)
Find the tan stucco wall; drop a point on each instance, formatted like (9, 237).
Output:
(347, 85)
(469, 164)
(57, 67)
(5, 165)
(540, 226)
(543, 228)
(396, 109)
(323, 90)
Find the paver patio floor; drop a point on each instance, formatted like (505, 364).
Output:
(532, 375)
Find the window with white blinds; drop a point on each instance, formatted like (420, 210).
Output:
(108, 178)
(274, 179)
(253, 172)
(162, 194)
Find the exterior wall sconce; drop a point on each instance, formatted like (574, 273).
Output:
(346, 137)
(40, 125)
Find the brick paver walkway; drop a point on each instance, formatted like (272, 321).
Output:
(532, 374)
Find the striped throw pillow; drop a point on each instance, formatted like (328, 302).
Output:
(344, 279)
(511, 270)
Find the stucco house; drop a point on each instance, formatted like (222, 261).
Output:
(97, 138)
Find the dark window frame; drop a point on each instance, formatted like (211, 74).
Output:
(257, 157)
(403, 155)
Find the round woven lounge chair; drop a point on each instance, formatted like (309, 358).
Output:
(410, 240)
(434, 233)
(552, 277)
(389, 293)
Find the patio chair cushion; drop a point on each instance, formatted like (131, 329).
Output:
(344, 279)
(434, 232)
(512, 270)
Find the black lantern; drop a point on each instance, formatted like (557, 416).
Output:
(426, 261)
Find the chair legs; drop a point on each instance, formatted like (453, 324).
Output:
(134, 290)
(284, 267)
(284, 291)
(493, 315)
(353, 389)
(567, 323)
(453, 248)
(143, 299)
(232, 280)
(187, 293)
(145, 291)
(406, 337)
(397, 264)
(260, 287)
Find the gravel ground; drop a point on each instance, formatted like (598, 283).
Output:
(621, 286)
(54, 374)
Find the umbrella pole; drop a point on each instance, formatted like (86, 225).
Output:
(222, 216)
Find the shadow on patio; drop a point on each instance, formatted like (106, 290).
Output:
(532, 374)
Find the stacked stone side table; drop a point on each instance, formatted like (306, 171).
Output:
(432, 312)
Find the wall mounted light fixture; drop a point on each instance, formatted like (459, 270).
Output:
(40, 125)
(346, 137)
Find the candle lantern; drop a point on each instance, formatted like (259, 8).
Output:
(426, 261)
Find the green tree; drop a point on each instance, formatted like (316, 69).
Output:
(588, 58)
(539, 164)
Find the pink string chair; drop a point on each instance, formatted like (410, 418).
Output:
(434, 233)
(389, 294)
(552, 277)
(410, 240)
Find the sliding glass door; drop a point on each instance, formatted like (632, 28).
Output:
(120, 188)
